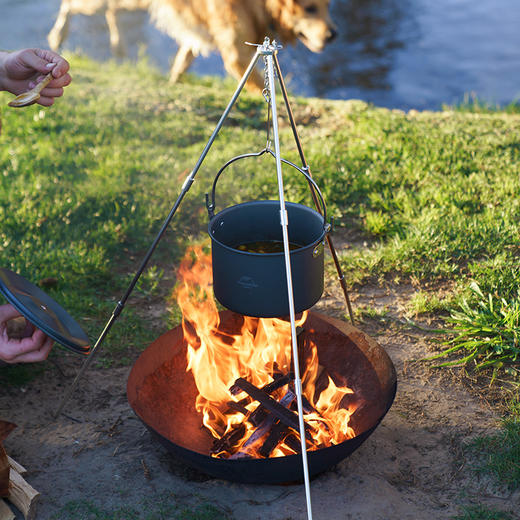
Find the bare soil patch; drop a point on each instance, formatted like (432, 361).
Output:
(412, 467)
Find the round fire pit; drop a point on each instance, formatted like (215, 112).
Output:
(163, 394)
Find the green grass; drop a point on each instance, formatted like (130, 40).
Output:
(427, 302)
(499, 454)
(19, 374)
(86, 185)
(486, 333)
(432, 193)
(472, 104)
(165, 508)
(482, 513)
(496, 457)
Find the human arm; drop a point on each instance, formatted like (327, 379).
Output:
(22, 70)
(33, 346)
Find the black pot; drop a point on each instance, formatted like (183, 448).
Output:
(255, 283)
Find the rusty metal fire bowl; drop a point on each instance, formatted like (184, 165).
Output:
(162, 394)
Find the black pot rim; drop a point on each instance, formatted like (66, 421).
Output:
(266, 202)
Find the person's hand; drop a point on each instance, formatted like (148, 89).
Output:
(21, 70)
(33, 346)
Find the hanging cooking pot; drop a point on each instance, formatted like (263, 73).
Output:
(249, 275)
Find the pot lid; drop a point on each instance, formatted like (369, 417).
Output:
(43, 312)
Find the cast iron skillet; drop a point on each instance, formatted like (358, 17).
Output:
(43, 312)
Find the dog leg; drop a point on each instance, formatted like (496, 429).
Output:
(235, 55)
(60, 30)
(115, 39)
(183, 59)
(236, 64)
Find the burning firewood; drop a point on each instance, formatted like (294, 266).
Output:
(273, 421)
(254, 356)
(280, 381)
(227, 442)
(293, 442)
(249, 448)
(257, 418)
(288, 417)
(277, 434)
(238, 407)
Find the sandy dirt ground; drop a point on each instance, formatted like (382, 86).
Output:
(412, 467)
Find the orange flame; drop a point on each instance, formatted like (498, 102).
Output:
(218, 358)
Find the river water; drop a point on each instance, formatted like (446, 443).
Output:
(394, 53)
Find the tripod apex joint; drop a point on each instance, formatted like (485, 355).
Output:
(267, 47)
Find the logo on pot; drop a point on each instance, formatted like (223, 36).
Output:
(247, 282)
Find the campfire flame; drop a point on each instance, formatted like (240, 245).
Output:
(260, 350)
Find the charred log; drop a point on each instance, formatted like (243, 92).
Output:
(262, 431)
(278, 432)
(228, 440)
(287, 417)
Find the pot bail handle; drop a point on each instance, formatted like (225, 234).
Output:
(210, 204)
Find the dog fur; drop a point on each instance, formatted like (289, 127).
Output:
(201, 26)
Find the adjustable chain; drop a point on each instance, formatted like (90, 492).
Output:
(266, 92)
(267, 96)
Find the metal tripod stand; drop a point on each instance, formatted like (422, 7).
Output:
(268, 51)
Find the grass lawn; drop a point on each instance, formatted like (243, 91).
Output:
(430, 197)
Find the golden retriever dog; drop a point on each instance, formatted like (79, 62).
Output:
(201, 26)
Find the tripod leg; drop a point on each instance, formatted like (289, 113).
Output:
(285, 224)
(185, 188)
(341, 276)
